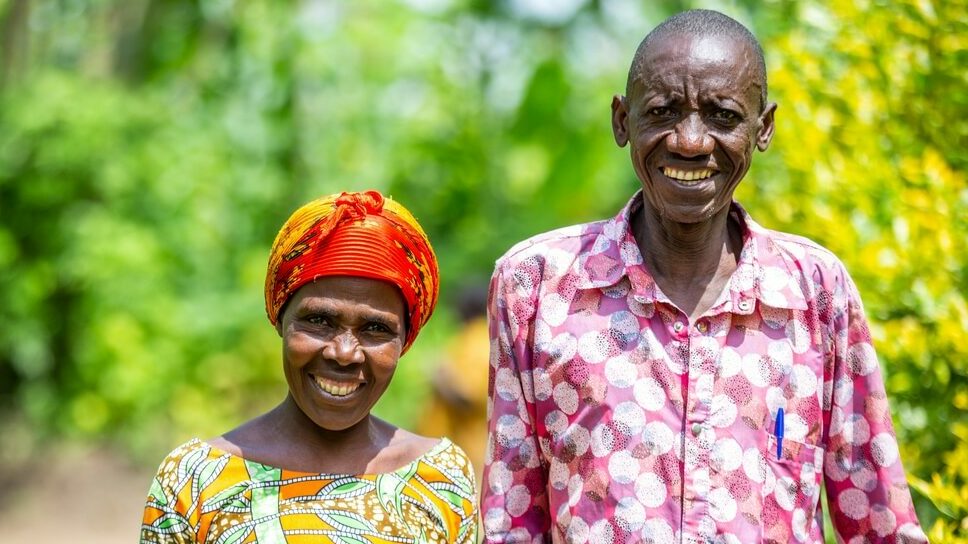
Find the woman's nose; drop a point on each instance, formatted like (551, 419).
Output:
(690, 138)
(344, 348)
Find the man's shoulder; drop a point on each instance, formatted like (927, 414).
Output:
(572, 239)
(807, 253)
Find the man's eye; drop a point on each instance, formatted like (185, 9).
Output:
(661, 111)
(726, 116)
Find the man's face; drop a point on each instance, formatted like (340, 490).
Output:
(693, 116)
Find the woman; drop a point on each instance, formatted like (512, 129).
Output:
(351, 280)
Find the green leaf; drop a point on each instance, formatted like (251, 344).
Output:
(210, 471)
(190, 461)
(239, 535)
(407, 472)
(344, 487)
(452, 498)
(227, 494)
(347, 520)
(157, 492)
(171, 522)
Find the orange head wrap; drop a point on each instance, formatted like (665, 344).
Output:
(355, 234)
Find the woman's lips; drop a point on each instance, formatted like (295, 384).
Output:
(337, 388)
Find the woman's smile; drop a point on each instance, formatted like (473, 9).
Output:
(341, 389)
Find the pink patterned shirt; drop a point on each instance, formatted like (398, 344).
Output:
(615, 419)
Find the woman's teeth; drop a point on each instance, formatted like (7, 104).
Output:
(335, 388)
(687, 175)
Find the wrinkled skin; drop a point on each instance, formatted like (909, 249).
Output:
(692, 119)
(347, 332)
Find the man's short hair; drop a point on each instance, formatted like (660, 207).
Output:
(700, 22)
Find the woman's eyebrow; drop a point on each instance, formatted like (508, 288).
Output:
(326, 310)
(382, 318)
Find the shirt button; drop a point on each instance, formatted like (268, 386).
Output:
(678, 326)
(702, 326)
(696, 429)
(744, 305)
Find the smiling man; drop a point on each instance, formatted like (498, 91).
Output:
(679, 373)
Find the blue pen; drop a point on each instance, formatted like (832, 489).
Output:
(778, 431)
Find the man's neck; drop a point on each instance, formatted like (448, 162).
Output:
(691, 263)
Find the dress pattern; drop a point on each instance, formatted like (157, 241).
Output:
(617, 419)
(203, 494)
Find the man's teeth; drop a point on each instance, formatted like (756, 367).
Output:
(687, 175)
(337, 389)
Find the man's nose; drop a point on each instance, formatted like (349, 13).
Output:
(690, 138)
(344, 348)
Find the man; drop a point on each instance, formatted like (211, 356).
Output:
(679, 373)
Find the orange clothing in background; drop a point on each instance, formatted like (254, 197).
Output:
(458, 405)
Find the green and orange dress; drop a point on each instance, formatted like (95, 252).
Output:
(204, 494)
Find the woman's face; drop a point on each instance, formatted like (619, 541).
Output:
(341, 338)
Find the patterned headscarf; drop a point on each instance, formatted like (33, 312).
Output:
(355, 234)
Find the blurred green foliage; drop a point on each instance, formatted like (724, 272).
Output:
(151, 148)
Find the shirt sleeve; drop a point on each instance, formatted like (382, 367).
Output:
(867, 492)
(163, 521)
(514, 502)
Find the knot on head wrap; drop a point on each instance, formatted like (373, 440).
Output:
(355, 234)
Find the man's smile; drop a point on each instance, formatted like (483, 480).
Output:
(689, 176)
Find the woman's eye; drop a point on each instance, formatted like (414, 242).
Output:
(378, 328)
(318, 320)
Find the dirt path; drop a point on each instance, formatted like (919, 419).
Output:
(81, 496)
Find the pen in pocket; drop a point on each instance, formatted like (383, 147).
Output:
(778, 431)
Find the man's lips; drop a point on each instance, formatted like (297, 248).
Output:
(688, 176)
(337, 387)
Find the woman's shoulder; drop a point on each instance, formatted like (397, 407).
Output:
(187, 453)
(446, 457)
(187, 462)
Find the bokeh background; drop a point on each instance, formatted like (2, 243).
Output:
(150, 149)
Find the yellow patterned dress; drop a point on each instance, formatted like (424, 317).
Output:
(203, 494)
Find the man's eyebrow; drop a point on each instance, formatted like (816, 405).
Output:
(729, 102)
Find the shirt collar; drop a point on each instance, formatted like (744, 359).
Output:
(764, 272)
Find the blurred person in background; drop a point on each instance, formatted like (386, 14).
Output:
(458, 403)
(679, 373)
(351, 280)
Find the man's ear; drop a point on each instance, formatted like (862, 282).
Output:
(767, 127)
(620, 116)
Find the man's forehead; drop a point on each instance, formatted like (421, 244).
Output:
(682, 47)
(722, 58)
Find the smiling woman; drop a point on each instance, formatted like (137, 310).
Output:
(352, 279)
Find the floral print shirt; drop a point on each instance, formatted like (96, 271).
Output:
(613, 418)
